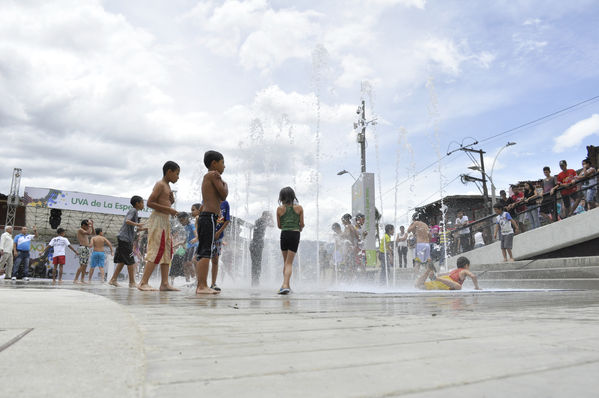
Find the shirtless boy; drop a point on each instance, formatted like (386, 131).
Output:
(83, 234)
(452, 280)
(98, 258)
(423, 248)
(214, 191)
(160, 244)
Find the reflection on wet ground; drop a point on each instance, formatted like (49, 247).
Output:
(252, 342)
(408, 301)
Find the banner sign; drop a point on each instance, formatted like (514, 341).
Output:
(79, 201)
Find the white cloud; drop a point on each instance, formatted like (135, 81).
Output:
(576, 133)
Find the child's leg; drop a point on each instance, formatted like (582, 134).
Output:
(288, 255)
(60, 273)
(202, 273)
(148, 269)
(131, 272)
(91, 273)
(115, 275)
(509, 251)
(164, 285)
(214, 269)
(54, 273)
(420, 282)
(102, 273)
(504, 255)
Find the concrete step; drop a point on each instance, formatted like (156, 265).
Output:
(572, 283)
(570, 262)
(542, 273)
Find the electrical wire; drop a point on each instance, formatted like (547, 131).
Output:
(511, 130)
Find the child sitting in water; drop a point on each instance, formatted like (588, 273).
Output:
(451, 280)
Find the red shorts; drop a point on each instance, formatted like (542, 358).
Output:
(58, 260)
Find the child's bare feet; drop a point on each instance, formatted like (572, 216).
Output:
(113, 283)
(511, 260)
(206, 290)
(146, 288)
(76, 282)
(168, 288)
(132, 285)
(60, 281)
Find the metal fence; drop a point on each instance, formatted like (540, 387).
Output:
(529, 214)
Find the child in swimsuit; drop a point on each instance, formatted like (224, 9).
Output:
(452, 280)
(290, 220)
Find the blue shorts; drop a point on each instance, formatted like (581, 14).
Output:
(98, 259)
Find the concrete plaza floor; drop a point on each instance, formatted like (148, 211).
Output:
(100, 341)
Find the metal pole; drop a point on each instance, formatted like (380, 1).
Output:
(484, 178)
(363, 139)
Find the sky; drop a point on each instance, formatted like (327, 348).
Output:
(96, 95)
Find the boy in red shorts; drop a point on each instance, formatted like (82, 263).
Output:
(60, 244)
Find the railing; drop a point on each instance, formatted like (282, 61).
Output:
(550, 209)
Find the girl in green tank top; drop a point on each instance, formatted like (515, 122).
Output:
(290, 220)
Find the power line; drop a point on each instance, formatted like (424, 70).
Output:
(542, 118)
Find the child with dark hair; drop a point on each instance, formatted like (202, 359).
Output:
(83, 235)
(223, 220)
(547, 209)
(290, 220)
(452, 280)
(98, 258)
(588, 185)
(124, 249)
(214, 191)
(386, 251)
(59, 243)
(160, 243)
(504, 223)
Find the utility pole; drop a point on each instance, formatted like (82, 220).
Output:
(12, 201)
(483, 178)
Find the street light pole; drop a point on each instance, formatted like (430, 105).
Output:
(346, 172)
(493, 167)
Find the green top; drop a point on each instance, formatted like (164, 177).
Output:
(290, 221)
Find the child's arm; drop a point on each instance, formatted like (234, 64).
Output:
(195, 231)
(474, 279)
(516, 229)
(279, 217)
(218, 183)
(109, 244)
(301, 214)
(496, 231)
(153, 200)
(221, 230)
(74, 251)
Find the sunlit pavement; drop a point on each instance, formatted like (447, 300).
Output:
(97, 340)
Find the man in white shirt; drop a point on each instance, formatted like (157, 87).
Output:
(6, 258)
(60, 244)
(402, 247)
(463, 233)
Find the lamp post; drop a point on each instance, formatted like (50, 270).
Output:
(492, 167)
(346, 172)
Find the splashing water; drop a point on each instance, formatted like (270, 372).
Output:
(319, 63)
(433, 110)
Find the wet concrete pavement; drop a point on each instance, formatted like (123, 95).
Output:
(254, 343)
